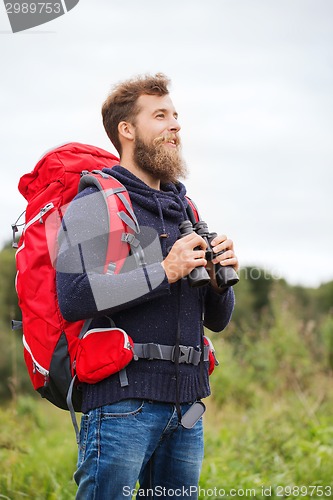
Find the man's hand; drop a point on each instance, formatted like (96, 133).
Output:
(183, 257)
(228, 258)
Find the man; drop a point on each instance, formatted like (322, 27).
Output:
(132, 431)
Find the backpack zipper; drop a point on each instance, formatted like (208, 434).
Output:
(39, 216)
(37, 366)
(127, 344)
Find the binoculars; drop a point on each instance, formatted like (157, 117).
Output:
(225, 275)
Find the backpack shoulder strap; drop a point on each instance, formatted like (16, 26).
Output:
(192, 210)
(122, 222)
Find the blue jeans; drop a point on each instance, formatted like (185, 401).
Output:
(135, 440)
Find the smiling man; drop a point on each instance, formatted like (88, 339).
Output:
(152, 143)
(132, 429)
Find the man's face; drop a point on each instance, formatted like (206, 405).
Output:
(157, 142)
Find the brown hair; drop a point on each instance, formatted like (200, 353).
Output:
(121, 104)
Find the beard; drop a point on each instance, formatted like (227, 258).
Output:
(166, 164)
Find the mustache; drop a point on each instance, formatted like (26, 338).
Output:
(167, 138)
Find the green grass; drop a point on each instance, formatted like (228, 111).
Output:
(285, 440)
(37, 452)
(269, 423)
(275, 443)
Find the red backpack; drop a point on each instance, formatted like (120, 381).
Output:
(55, 350)
(50, 342)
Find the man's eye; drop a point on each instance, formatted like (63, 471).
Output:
(160, 115)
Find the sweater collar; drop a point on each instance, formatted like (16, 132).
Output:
(168, 202)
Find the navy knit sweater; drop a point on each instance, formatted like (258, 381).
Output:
(140, 301)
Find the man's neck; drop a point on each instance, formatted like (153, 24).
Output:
(145, 177)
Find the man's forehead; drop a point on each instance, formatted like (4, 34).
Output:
(153, 103)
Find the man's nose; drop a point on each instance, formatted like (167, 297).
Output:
(174, 125)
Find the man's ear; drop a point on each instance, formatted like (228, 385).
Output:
(126, 131)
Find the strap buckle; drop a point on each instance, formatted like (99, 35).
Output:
(130, 239)
(187, 354)
(111, 268)
(152, 351)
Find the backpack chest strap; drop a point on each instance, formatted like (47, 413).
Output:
(187, 354)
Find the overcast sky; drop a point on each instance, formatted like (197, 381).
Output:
(252, 81)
